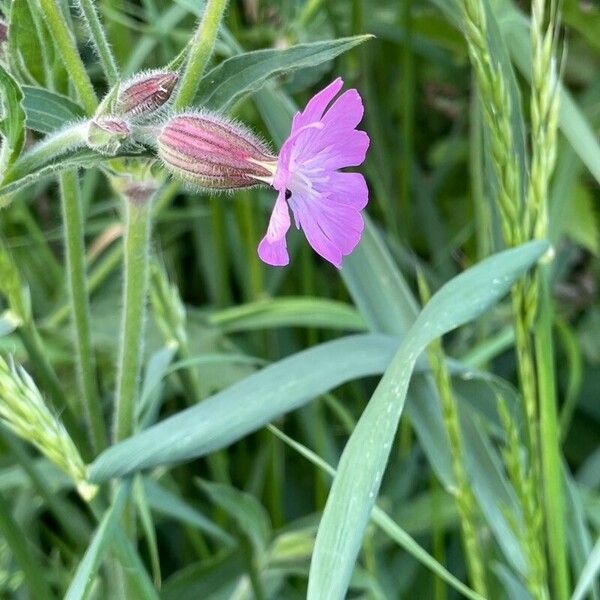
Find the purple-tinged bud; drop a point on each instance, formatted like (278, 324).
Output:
(214, 153)
(107, 134)
(145, 93)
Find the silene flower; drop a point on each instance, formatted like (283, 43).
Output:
(326, 203)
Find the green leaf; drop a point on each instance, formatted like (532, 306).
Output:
(589, 574)
(84, 576)
(12, 120)
(365, 456)
(581, 220)
(24, 50)
(47, 111)
(169, 504)
(249, 514)
(222, 419)
(246, 73)
(288, 312)
(386, 523)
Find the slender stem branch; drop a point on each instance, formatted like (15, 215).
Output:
(43, 153)
(67, 46)
(137, 240)
(78, 294)
(100, 42)
(200, 52)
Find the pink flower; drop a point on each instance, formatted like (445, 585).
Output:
(325, 202)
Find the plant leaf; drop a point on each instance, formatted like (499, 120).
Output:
(365, 456)
(12, 120)
(47, 111)
(84, 576)
(246, 73)
(222, 419)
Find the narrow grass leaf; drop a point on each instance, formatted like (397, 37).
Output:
(365, 456)
(589, 574)
(245, 73)
(386, 523)
(223, 418)
(289, 312)
(169, 504)
(84, 576)
(251, 517)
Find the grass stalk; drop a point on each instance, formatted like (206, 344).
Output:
(200, 51)
(79, 301)
(408, 117)
(99, 40)
(67, 46)
(465, 499)
(137, 240)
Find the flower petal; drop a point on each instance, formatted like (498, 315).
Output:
(273, 247)
(333, 229)
(336, 150)
(346, 112)
(316, 105)
(345, 188)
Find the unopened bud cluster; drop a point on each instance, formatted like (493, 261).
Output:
(213, 152)
(134, 100)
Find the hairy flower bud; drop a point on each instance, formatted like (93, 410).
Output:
(213, 152)
(107, 134)
(145, 93)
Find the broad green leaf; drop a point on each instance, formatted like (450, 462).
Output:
(222, 419)
(589, 574)
(250, 515)
(286, 312)
(12, 120)
(365, 456)
(86, 571)
(47, 111)
(386, 523)
(246, 73)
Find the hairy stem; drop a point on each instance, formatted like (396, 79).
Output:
(100, 42)
(67, 46)
(78, 294)
(137, 240)
(200, 51)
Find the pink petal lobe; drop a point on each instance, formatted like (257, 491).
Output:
(317, 104)
(346, 112)
(273, 247)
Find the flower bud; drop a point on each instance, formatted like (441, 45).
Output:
(213, 152)
(107, 134)
(145, 93)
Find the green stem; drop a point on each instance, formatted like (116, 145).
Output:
(24, 557)
(67, 46)
(137, 240)
(550, 443)
(78, 294)
(100, 42)
(45, 152)
(200, 52)
(408, 115)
